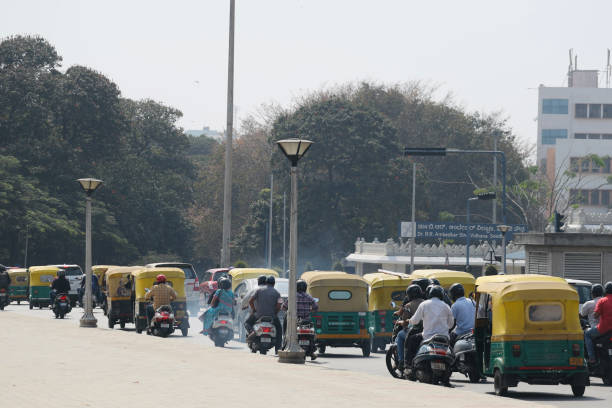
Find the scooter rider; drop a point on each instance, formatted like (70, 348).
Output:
(603, 311)
(162, 295)
(304, 302)
(588, 309)
(463, 310)
(436, 317)
(269, 302)
(250, 321)
(414, 297)
(59, 284)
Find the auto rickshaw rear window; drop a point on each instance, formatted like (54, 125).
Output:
(47, 278)
(398, 295)
(20, 279)
(546, 312)
(339, 294)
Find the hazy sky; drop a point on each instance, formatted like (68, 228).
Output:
(490, 54)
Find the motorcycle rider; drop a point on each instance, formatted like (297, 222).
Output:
(588, 309)
(305, 303)
(437, 318)
(603, 311)
(269, 302)
(250, 321)
(59, 284)
(95, 288)
(162, 294)
(414, 297)
(463, 310)
(222, 302)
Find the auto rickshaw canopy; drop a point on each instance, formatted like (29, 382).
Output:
(447, 278)
(385, 288)
(145, 277)
(19, 276)
(42, 275)
(337, 291)
(240, 274)
(118, 282)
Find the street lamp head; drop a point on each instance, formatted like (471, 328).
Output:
(424, 151)
(294, 149)
(90, 185)
(503, 228)
(486, 196)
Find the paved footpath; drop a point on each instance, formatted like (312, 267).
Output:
(53, 364)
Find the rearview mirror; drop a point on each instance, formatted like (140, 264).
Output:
(316, 300)
(393, 304)
(147, 290)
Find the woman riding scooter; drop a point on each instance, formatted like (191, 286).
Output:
(222, 302)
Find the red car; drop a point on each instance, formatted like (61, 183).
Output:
(209, 282)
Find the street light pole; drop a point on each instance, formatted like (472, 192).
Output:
(504, 229)
(89, 185)
(227, 185)
(270, 223)
(481, 196)
(293, 149)
(413, 226)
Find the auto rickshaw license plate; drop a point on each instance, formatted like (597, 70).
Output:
(576, 361)
(266, 339)
(438, 366)
(165, 325)
(304, 342)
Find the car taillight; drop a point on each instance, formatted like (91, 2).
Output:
(222, 321)
(63, 298)
(2, 290)
(362, 322)
(516, 350)
(266, 329)
(196, 285)
(576, 349)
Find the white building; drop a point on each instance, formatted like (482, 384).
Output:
(574, 123)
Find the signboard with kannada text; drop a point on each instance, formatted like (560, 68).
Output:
(457, 232)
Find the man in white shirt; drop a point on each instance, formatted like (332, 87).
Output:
(437, 318)
(588, 308)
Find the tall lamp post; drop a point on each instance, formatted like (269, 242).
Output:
(481, 196)
(89, 185)
(504, 229)
(293, 149)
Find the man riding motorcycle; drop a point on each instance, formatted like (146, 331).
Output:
(162, 295)
(59, 285)
(266, 301)
(463, 310)
(588, 309)
(603, 311)
(248, 323)
(414, 297)
(436, 317)
(305, 304)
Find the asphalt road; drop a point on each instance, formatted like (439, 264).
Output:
(596, 396)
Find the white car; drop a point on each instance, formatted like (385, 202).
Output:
(75, 275)
(583, 288)
(192, 285)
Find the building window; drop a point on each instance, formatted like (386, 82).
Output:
(594, 110)
(606, 168)
(595, 197)
(554, 106)
(595, 167)
(581, 110)
(606, 136)
(584, 165)
(550, 136)
(575, 164)
(580, 135)
(605, 197)
(594, 136)
(607, 111)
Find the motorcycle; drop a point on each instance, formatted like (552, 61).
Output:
(466, 361)
(391, 357)
(603, 355)
(433, 361)
(306, 338)
(222, 329)
(61, 305)
(162, 323)
(4, 298)
(263, 337)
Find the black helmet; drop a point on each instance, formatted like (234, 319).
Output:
(270, 280)
(428, 291)
(597, 290)
(436, 291)
(422, 282)
(61, 273)
(608, 287)
(261, 280)
(301, 286)
(456, 291)
(224, 283)
(414, 292)
(434, 281)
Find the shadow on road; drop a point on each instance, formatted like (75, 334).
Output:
(548, 397)
(327, 355)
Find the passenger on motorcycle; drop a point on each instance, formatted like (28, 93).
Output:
(59, 285)
(305, 304)
(162, 295)
(414, 297)
(603, 311)
(95, 288)
(463, 310)
(222, 302)
(266, 301)
(436, 317)
(588, 309)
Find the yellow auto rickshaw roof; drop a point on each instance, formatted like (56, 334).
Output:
(246, 273)
(518, 278)
(381, 279)
(38, 270)
(148, 273)
(532, 289)
(102, 268)
(12, 271)
(333, 278)
(120, 270)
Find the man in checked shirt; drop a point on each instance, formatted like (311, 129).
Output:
(305, 304)
(162, 295)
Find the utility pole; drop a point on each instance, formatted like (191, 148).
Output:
(25, 258)
(495, 177)
(270, 224)
(413, 226)
(227, 190)
(284, 232)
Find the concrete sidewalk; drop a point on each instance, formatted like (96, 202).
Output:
(48, 363)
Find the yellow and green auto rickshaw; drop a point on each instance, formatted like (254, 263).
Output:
(40, 279)
(528, 330)
(387, 293)
(18, 289)
(144, 278)
(447, 277)
(343, 309)
(238, 275)
(100, 271)
(120, 295)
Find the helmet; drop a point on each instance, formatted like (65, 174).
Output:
(436, 292)
(428, 291)
(261, 280)
(597, 290)
(422, 282)
(224, 283)
(161, 278)
(302, 286)
(270, 280)
(434, 281)
(608, 287)
(414, 292)
(456, 291)
(61, 273)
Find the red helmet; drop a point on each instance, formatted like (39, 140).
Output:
(161, 278)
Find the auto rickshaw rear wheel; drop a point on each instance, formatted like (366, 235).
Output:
(322, 349)
(184, 331)
(111, 323)
(578, 390)
(474, 375)
(31, 305)
(122, 325)
(365, 348)
(498, 381)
